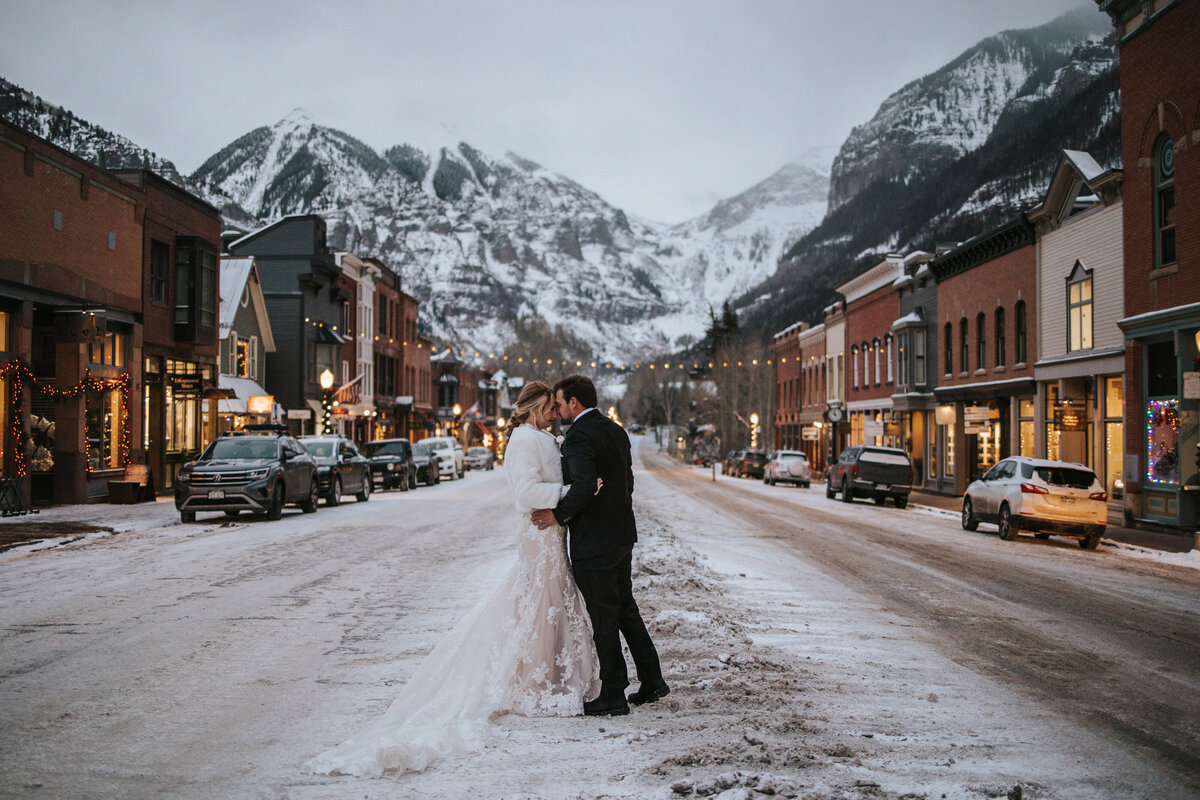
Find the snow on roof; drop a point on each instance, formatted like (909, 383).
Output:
(235, 270)
(1084, 164)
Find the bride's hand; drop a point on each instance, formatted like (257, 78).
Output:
(599, 485)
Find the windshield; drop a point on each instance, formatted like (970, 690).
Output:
(386, 449)
(256, 447)
(319, 448)
(421, 450)
(478, 451)
(883, 457)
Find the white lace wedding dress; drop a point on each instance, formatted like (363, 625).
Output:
(524, 649)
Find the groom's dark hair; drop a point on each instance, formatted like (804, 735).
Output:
(580, 387)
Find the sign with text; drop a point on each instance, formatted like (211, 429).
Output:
(810, 434)
(1191, 386)
(975, 420)
(187, 384)
(1070, 417)
(871, 429)
(299, 413)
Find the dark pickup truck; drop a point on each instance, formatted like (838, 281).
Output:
(875, 472)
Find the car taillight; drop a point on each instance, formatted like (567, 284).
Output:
(1033, 488)
(1098, 496)
(854, 471)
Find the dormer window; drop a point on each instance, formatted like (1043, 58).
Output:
(1079, 308)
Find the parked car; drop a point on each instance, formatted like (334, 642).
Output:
(392, 464)
(426, 464)
(479, 458)
(748, 464)
(341, 469)
(1042, 497)
(727, 462)
(451, 454)
(869, 471)
(788, 466)
(260, 468)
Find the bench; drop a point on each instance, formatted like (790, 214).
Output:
(135, 486)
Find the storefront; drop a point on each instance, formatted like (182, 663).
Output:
(1162, 481)
(181, 413)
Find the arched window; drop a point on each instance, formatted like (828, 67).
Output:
(854, 358)
(1019, 327)
(1001, 355)
(964, 345)
(890, 359)
(1079, 308)
(1164, 203)
(948, 338)
(981, 341)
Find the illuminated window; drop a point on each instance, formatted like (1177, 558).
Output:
(1079, 309)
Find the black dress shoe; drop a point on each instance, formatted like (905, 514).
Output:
(649, 692)
(604, 707)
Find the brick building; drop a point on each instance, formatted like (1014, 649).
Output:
(871, 308)
(1160, 134)
(986, 305)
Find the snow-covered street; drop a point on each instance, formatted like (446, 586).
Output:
(814, 649)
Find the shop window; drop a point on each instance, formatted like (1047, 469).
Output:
(981, 342)
(160, 269)
(1164, 204)
(1079, 309)
(1025, 412)
(104, 425)
(1114, 434)
(1053, 450)
(1162, 441)
(1001, 344)
(1022, 338)
(948, 438)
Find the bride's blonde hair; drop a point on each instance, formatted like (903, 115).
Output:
(532, 395)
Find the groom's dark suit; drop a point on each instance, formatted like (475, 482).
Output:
(601, 533)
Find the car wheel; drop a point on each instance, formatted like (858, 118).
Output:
(879, 499)
(1006, 526)
(900, 501)
(847, 492)
(412, 479)
(766, 481)
(187, 516)
(403, 484)
(335, 492)
(275, 509)
(829, 492)
(365, 494)
(462, 473)
(969, 522)
(807, 484)
(310, 505)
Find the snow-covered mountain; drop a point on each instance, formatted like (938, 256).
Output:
(483, 239)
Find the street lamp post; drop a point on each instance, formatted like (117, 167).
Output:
(754, 430)
(326, 400)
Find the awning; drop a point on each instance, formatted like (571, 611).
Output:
(242, 389)
(326, 335)
(447, 377)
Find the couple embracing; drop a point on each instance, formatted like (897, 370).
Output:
(547, 641)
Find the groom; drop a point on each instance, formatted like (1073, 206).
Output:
(601, 534)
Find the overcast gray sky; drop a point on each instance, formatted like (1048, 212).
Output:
(661, 107)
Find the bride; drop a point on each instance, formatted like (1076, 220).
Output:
(524, 649)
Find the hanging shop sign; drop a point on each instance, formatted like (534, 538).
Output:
(975, 420)
(187, 384)
(1070, 417)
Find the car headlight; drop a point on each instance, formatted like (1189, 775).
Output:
(255, 474)
(391, 467)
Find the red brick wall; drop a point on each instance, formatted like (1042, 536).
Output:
(868, 318)
(1000, 282)
(1160, 93)
(787, 381)
(75, 261)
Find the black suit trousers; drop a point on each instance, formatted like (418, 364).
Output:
(606, 583)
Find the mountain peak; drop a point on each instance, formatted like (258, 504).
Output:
(296, 119)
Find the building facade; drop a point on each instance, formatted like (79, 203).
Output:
(1081, 297)
(915, 335)
(1160, 131)
(871, 308)
(987, 318)
(246, 339)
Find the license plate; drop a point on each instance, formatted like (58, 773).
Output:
(216, 494)
(1068, 500)
(881, 486)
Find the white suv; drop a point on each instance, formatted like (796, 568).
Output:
(1039, 496)
(450, 453)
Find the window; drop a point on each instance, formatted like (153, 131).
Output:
(1164, 204)
(890, 358)
(1001, 357)
(948, 338)
(160, 270)
(876, 349)
(1079, 309)
(195, 290)
(964, 346)
(1022, 339)
(918, 350)
(854, 355)
(242, 358)
(981, 342)
(902, 360)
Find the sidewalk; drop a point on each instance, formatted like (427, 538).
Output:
(1153, 540)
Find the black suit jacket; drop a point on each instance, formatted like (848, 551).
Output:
(597, 524)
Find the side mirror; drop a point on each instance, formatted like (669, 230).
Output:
(288, 455)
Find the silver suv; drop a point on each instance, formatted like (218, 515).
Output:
(259, 469)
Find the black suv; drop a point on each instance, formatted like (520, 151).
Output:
(259, 468)
(748, 464)
(392, 463)
(340, 468)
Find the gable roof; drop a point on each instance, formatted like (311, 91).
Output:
(1076, 175)
(239, 274)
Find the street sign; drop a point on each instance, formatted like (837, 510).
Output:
(810, 434)
(975, 420)
(299, 413)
